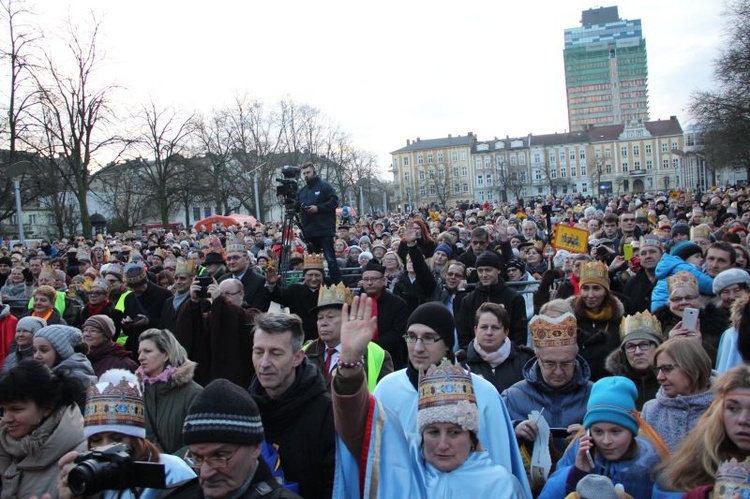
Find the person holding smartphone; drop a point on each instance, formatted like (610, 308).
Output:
(611, 445)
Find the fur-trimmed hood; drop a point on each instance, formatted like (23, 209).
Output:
(184, 375)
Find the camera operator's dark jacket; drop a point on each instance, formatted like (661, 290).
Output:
(498, 293)
(322, 195)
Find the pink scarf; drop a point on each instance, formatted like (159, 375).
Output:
(162, 377)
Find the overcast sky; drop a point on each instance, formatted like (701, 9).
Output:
(389, 70)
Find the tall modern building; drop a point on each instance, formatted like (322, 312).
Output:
(606, 71)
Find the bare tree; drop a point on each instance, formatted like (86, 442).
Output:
(120, 188)
(72, 114)
(165, 135)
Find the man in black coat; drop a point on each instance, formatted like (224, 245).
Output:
(143, 305)
(295, 407)
(238, 264)
(318, 202)
(639, 287)
(392, 313)
(491, 288)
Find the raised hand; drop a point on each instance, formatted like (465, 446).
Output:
(357, 328)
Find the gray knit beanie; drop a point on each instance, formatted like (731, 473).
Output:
(596, 487)
(62, 338)
(31, 323)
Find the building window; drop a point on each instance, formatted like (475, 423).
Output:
(572, 155)
(624, 167)
(196, 213)
(441, 173)
(676, 163)
(650, 182)
(464, 171)
(582, 153)
(537, 158)
(552, 159)
(488, 179)
(455, 172)
(539, 190)
(407, 177)
(456, 187)
(624, 152)
(664, 147)
(553, 173)
(572, 171)
(597, 154)
(421, 175)
(466, 187)
(637, 165)
(647, 148)
(512, 161)
(463, 156)
(454, 156)
(422, 191)
(636, 150)
(395, 162)
(563, 172)
(431, 173)
(487, 162)
(674, 145)
(480, 180)
(523, 177)
(477, 163)
(538, 174)
(206, 211)
(420, 159)
(440, 156)
(583, 170)
(584, 187)
(607, 153)
(429, 157)
(522, 159)
(406, 160)
(649, 165)
(608, 168)
(665, 164)
(432, 190)
(562, 156)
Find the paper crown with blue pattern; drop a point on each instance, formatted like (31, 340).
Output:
(446, 395)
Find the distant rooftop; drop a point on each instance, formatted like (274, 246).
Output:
(602, 15)
(449, 141)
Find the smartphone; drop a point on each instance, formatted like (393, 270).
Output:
(588, 453)
(690, 319)
(627, 251)
(204, 282)
(559, 432)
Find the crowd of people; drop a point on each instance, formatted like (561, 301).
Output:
(426, 354)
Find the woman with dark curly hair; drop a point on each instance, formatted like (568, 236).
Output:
(41, 423)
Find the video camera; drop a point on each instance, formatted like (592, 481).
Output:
(112, 468)
(287, 190)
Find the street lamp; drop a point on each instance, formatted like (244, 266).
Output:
(16, 171)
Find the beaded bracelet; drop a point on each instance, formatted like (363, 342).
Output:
(350, 365)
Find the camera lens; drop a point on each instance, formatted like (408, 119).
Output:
(91, 476)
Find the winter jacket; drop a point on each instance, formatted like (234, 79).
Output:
(300, 424)
(166, 405)
(634, 474)
(669, 320)
(422, 288)
(21, 291)
(670, 265)
(15, 357)
(496, 293)
(714, 321)
(504, 375)
(7, 330)
(79, 367)
(617, 365)
(321, 194)
(674, 417)
(150, 304)
(300, 299)
(562, 406)
(597, 339)
(29, 465)
(392, 316)
(111, 356)
(639, 289)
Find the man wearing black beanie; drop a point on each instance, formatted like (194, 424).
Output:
(224, 432)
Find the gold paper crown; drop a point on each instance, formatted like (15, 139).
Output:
(118, 406)
(682, 280)
(594, 272)
(650, 240)
(732, 478)
(643, 212)
(335, 295)
(48, 271)
(640, 322)
(185, 267)
(236, 246)
(553, 331)
(702, 231)
(446, 395)
(313, 261)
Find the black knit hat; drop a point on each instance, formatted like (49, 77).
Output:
(223, 413)
(489, 259)
(436, 316)
(372, 265)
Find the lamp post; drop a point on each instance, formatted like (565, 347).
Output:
(16, 171)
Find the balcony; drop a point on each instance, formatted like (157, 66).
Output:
(637, 173)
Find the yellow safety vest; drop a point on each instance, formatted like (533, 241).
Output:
(59, 302)
(375, 359)
(122, 338)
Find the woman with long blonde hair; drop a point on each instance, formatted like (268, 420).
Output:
(721, 434)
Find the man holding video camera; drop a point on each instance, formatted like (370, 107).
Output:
(317, 202)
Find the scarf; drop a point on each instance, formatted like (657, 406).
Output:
(375, 312)
(97, 309)
(605, 315)
(179, 299)
(162, 377)
(27, 446)
(45, 316)
(575, 281)
(497, 357)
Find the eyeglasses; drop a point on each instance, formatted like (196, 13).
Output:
(426, 340)
(678, 299)
(371, 279)
(665, 368)
(551, 366)
(215, 462)
(97, 293)
(233, 258)
(644, 345)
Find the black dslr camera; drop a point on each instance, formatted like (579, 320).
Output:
(111, 468)
(287, 189)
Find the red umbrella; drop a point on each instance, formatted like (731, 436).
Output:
(208, 223)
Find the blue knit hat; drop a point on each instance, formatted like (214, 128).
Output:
(685, 249)
(445, 249)
(612, 400)
(62, 338)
